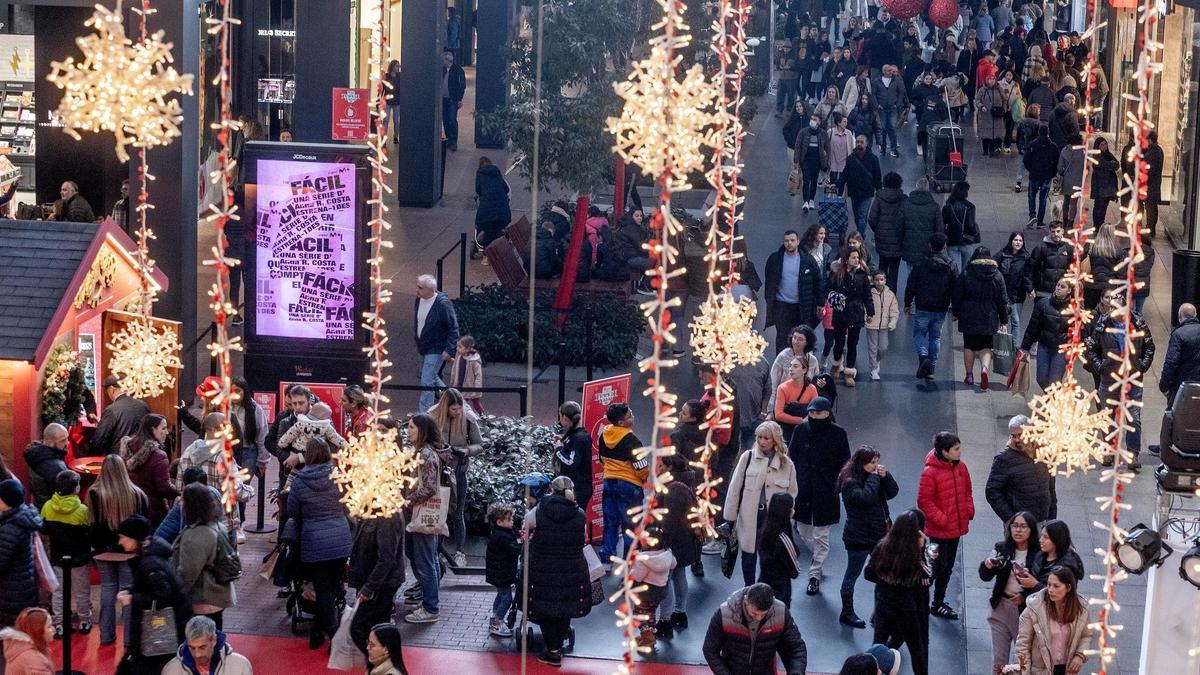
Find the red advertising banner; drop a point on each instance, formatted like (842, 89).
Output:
(268, 401)
(597, 396)
(331, 394)
(351, 116)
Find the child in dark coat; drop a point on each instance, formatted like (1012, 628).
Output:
(776, 551)
(503, 550)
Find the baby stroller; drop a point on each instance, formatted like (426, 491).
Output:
(535, 486)
(301, 603)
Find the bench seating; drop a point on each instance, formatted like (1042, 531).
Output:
(506, 262)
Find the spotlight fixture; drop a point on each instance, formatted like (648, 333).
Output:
(1189, 564)
(1142, 548)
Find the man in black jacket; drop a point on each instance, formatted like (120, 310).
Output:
(748, 630)
(1041, 161)
(45, 459)
(377, 571)
(1183, 354)
(930, 286)
(1017, 482)
(862, 178)
(120, 418)
(1049, 261)
(435, 329)
(794, 289)
(818, 449)
(454, 85)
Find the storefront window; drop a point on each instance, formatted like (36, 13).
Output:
(275, 67)
(1180, 219)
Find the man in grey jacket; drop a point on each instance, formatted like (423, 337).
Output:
(892, 99)
(1070, 176)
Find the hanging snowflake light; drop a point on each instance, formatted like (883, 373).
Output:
(144, 356)
(375, 471)
(120, 86)
(1066, 434)
(722, 334)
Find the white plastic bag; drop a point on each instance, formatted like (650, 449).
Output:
(343, 655)
(595, 566)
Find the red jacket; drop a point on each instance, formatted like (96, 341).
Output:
(945, 497)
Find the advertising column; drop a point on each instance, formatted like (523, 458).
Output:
(597, 396)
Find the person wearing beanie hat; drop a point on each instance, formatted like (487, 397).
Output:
(18, 582)
(156, 584)
(887, 659)
(818, 449)
(135, 527)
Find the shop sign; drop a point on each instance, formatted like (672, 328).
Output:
(328, 393)
(351, 118)
(597, 396)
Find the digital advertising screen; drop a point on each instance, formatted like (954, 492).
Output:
(305, 244)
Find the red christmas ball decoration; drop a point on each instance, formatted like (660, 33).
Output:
(943, 13)
(904, 9)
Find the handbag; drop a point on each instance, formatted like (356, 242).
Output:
(226, 566)
(793, 184)
(998, 111)
(46, 580)
(1003, 352)
(158, 631)
(597, 592)
(343, 655)
(429, 517)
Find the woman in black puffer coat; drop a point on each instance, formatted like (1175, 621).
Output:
(1011, 259)
(492, 213)
(866, 486)
(573, 455)
(980, 303)
(887, 223)
(848, 294)
(1048, 328)
(559, 586)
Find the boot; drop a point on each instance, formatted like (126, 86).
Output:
(836, 370)
(647, 637)
(850, 374)
(665, 630)
(848, 617)
(679, 620)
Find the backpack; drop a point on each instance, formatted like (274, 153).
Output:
(226, 566)
(609, 266)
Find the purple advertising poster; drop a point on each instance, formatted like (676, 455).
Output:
(305, 256)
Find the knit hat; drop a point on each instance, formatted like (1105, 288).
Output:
(11, 493)
(210, 387)
(136, 527)
(888, 659)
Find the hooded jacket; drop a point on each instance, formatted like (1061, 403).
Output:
(44, 464)
(653, 567)
(945, 497)
(65, 520)
(737, 645)
(1018, 483)
(492, 191)
(315, 502)
(194, 554)
(1099, 342)
(225, 661)
(1048, 262)
(503, 554)
(21, 657)
(1041, 158)
(867, 510)
(980, 299)
(887, 222)
(1064, 124)
(18, 583)
(150, 470)
(849, 297)
(1047, 325)
(959, 220)
(559, 584)
(1070, 169)
(549, 255)
(1012, 268)
(920, 217)
(617, 446)
(680, 533)
(887, 310)
(931, 284)
(1033, 636)
(819, 449)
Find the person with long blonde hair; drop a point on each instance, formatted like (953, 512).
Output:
(112, 499)
(460, 430)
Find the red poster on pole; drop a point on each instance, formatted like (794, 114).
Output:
(269, 403)
(597, 396)
(330, 394)
(351, 118)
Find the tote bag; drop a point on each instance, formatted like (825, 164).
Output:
(158, 631)
(41, 565)
(430, 516)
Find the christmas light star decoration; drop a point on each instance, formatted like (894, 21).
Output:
(145, 356)
(666, 126)
(120, 86)
(1067, 435)
(376, 469)
(221, 347)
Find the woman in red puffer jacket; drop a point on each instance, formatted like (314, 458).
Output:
(945, 498)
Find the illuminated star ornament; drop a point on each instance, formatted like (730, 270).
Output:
(721, 333)
(145, 356)
(120, 86)
(1066, 434)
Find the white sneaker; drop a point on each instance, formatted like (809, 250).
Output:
(459, 559)
(920, 151)
(875, 374)
(498, 628)
(421, 616)
(713, 547)
(241, 536)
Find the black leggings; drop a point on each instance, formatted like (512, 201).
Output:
(554, 632)
(910, 633)
(326, 578)
(846, 341)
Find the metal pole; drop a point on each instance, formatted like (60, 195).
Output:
(439, 274)
(212, 360)
(562, 372)
(66, 567)
(462, 264)
(524, 390)
(588, 341)
(259, 526)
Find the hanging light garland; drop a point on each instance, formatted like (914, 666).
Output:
(220, 213)
(666, 126)
(1072, 439)
(376, 469)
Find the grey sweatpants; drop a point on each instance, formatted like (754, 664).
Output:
(1005, 623)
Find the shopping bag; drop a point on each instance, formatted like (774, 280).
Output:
(430, 517)
(1002, 352)
(793, 184)
(46, 580)
(158, 631)
(595, 565)
(1018, 377)
(343, 655)
(267, 570)
(729, 554)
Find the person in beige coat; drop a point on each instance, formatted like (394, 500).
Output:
(1054, 631)
(761, 471)
(882, 322)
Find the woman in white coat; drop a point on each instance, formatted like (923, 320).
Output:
(761, 471)
(1054, 630)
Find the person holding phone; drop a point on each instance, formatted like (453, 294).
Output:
(1009, 566)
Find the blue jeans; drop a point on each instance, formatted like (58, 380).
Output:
(855, 561)
(429, 378)
(677, 590)
(962, 255)
(619, 497)
(785, 98)
(1139, 301)
(113, 577)
(887, 120)
(1014, 321)
(927, 333)
(861, 208)
(502, 603)
(1039, 192)
(426, 568)
(1133, 439)
(1051, 366)
(1020, 171)
(450, 120)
